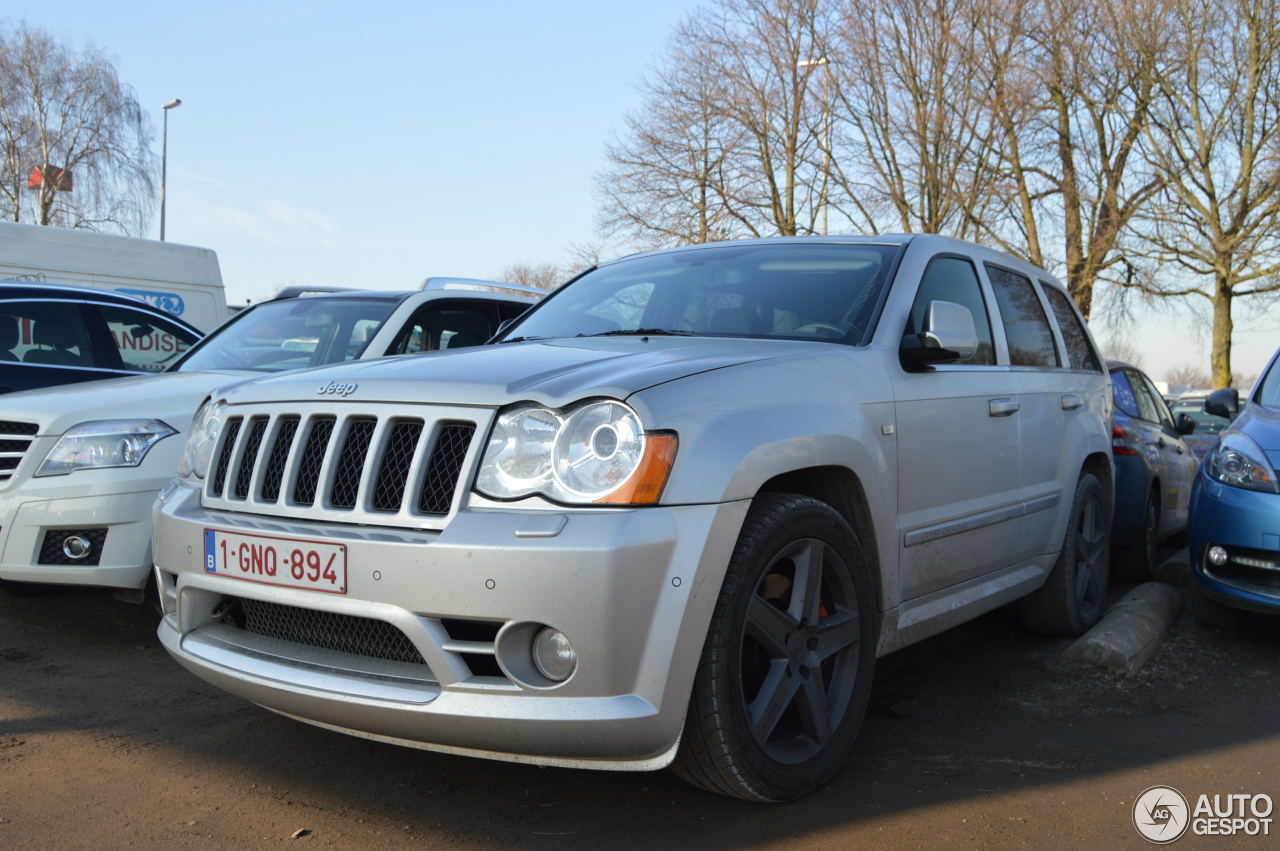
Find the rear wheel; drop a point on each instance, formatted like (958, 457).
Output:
(1073, 598)
(1138, 563)
(786, 671)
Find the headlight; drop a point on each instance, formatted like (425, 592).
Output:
(104, 443)
(201, 439)
(594, 453)
(1238, 461)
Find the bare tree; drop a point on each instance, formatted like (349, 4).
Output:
(1073, 82)
(74, 134)
(728, 142)
(665, 183)
(1216, 138)
(542, 276)
(1188, 375)
(1122, 349)
(912, 157)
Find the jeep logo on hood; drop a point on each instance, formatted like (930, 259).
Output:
(337, 388)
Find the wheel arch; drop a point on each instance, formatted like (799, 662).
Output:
(1100, 465)
(840, 488)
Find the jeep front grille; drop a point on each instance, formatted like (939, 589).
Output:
(383, 465)
(15, 440)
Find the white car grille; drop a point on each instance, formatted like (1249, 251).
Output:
(386, 465)
(15, 440)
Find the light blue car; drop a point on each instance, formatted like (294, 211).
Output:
(1234, 529)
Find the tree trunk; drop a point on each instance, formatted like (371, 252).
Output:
(1220, 357)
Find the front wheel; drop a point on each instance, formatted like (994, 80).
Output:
(786, 671)
(1073, 598)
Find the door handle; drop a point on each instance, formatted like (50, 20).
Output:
(1002, 407)
(1071, 402)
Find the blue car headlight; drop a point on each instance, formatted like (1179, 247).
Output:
(1237, 460)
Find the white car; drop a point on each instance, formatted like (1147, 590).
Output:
(80, 465)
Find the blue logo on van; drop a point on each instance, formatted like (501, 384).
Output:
(168, 302)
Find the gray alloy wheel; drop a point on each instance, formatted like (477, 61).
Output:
(786, 671)
(1074, 596)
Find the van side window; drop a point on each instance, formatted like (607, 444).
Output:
(1080, 354)
(146, 342)
(1025, 325)
(954, 279)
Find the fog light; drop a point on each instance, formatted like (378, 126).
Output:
(76, 547)
(1217, 556)
(553, 654)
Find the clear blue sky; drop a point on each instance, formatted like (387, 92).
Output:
(374, 144)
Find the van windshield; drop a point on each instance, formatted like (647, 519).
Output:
(291, 334)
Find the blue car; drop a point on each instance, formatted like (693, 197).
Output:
(1154, 466)
(1234, 531)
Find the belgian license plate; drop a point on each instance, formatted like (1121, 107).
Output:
(290, 562)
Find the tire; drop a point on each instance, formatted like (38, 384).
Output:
(1073, 598)
(1209, 612)
(1138, 563)
(786, 671)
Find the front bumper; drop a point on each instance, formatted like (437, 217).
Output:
(1247, 524)
(632, 589)
(37, 517)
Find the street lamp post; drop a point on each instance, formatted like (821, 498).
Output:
(826, 134)
(164, 158)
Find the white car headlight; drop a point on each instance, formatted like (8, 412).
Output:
(205, 428)
(595, 453)
(103, 443)
(1236, 460)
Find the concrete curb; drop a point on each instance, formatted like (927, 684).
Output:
(1130, 632)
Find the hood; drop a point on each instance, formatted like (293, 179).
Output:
(1262, 424)
(170, 396)
(550, 372)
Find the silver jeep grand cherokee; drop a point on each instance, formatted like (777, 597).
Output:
(671, 516)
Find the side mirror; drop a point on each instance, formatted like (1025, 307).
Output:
(1223, 403)
(1186, 424)
(948, 335)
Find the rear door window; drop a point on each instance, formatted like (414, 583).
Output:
(1026, 328)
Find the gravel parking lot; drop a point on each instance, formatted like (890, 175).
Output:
(976, 738)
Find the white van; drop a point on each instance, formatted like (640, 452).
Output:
(180, 280)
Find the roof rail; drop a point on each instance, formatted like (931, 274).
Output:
(446, 283)
(308, 289)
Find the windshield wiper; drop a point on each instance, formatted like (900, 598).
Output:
(520, 340)
(642, 332)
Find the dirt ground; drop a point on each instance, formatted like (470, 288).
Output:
(976, 739)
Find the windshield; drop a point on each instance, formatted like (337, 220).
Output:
(291, 334)
(813, 291)
(1205, 423)
(1269, 387)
